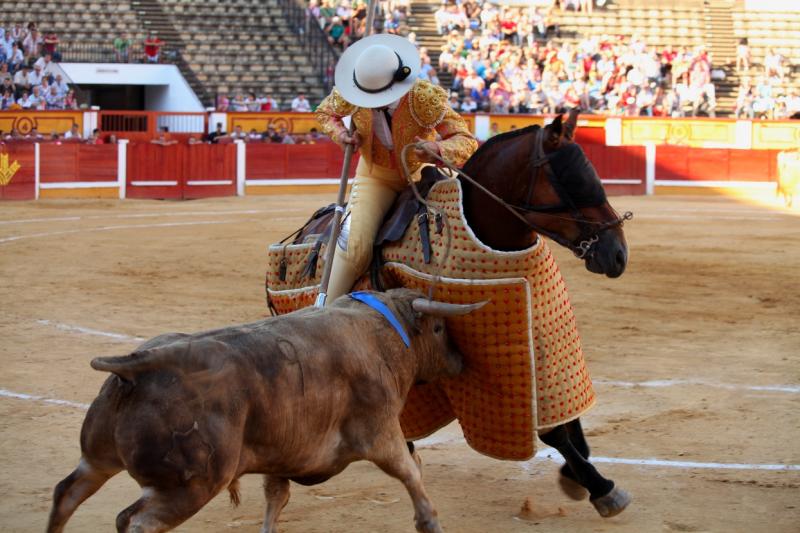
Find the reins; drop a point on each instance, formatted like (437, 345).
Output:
(539, 160)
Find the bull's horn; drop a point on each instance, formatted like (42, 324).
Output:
(432, 307)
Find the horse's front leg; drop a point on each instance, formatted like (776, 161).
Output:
(608, 499)
(567, 479)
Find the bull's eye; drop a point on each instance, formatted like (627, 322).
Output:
(438, 328)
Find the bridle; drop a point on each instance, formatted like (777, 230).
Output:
(589, 230)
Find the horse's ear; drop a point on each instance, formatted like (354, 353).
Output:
(572, 123)
(557, 126)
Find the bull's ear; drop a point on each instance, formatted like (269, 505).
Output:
(572, 123)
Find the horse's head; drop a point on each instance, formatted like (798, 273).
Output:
(567, 202)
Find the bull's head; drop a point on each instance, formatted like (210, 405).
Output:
(437, 355)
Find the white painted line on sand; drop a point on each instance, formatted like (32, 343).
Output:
(547, 454)
(89, 331)
(111, 228)
(661, 383)
(33, 398)
(149, 215)
(552, 455)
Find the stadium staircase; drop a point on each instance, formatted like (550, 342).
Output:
(422, 23)
(243, 46)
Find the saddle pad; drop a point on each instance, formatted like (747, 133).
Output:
(493, 398)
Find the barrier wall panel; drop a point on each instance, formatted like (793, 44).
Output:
(155, 171)
(97, 162)
(18, 172)
(266, 161)
(672, 162)
(209, 170)
(708, 165)
(751, 165)
(308, 161)
(58, 163)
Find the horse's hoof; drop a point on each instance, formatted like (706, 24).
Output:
(612, 503)
(572, 488)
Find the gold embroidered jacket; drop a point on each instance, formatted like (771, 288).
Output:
(423, 112)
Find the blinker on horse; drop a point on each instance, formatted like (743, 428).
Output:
(544, 176)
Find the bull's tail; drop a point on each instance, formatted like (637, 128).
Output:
(129, 366)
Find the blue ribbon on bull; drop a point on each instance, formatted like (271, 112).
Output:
(379, 306)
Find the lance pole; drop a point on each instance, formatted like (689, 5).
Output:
(339, 212)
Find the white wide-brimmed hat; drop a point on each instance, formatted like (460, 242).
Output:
(377, 70)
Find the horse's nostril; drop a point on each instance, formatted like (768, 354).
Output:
(620, 259)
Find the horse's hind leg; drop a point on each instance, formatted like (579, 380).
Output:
(606, 498)
(72, 491)
(567, 480)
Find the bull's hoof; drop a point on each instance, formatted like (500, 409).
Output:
(431, 525)
(572, 488)
(612, 503)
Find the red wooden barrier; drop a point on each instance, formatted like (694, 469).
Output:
(17, 171)
(682, 163)
(181, 171)
(65, 163)
(624, 166)
(281, 161)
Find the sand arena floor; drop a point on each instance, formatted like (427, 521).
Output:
(695, 352)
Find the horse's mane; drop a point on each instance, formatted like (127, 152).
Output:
(503, 137)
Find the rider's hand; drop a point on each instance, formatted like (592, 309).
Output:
(423, 155)
(344, 137)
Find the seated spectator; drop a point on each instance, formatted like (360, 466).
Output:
(163, 138)
(238, 134)
(792, 103)
(112, 139)
(122, 46)
(61, 85)
(54, 100)
(215, 135)
(152, 48)
(22, 79)
(31, 45)
(469, 105)
(46, 65)
(193, 139)
(252, 103)
(73, 133)
(316, 136)
(254, 136)
(70, 100)
(773, 65)
(15, 58)
(239, 104)
(326, 14)
(300, 104)
(35, 100)
(55, 138)
(272, 136)
(97, 138)
(35, 77)
(33, 135)
(50, 46)
(287, 139)
(7, 79)
(742, 55)
(336, 33)
(223, 103)
(7, 99)
(269, 104)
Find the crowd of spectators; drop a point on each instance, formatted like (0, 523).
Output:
(29, 76)
(263, 102)
(503, 60)
(765, 98)
(345, 21)
(73, 135)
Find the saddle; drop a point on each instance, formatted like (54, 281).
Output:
(406, 208)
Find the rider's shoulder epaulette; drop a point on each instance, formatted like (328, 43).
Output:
(339, 105)
(427, 103)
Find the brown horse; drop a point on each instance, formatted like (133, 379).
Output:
(538, 181)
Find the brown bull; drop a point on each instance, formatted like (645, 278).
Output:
(296, 397)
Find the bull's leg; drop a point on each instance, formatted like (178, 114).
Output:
(567, 480)
(606, 498)
(72, 491)
(161, 510)
(276, 491)
(393, 458)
